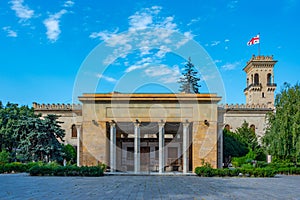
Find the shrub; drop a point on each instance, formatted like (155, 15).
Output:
(4, 157)
(70, 170)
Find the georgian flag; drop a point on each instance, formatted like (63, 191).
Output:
(254, 40)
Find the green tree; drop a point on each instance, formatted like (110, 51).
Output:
(233, 146)
(40, 138)
(282, 138)
(189, 80)
(248, 136)
(69, 153)
(9, 117)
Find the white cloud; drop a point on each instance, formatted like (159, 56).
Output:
(165, 73)
(147, 32)
(10, 32)
(193, 21)
(231, 66)
(22, 11)
(226, 40)
(107, 78)
(232, 4)
(52, 25)
(215, 43)
(187, 37)
(68, 4)
(135, 67)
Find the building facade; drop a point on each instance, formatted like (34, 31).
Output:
(162, 132)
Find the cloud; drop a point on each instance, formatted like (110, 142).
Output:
(135, 67)
(52, 25)
(231, 66)
(22, 11)
(107, 78)
(10, 33)
(232, 4)
(226, 40)
(193, 21)
(215, 43)
(68, 4)
(149, 35)
(165, 73)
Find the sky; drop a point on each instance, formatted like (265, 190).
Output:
(53, 51)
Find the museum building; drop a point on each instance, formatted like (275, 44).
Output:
(144, 133)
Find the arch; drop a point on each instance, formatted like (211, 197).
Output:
(256, 79)
(73, 131)
(252, 127)
(269, 79)
(227, 127)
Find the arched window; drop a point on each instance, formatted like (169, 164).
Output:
(73, 131)
(269, 79)
(251, 78)
(227, 127)
(252, 127)
(256, 79)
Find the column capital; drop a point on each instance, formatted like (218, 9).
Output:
(161, 124)
(186, 123)
(136, 124)
(113, 124)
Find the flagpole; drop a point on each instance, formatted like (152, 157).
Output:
(259, 44)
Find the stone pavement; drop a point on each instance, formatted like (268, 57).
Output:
(22, 186)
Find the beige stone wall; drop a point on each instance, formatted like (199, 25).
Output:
(257, 117)
(68, 117)
(146, 108)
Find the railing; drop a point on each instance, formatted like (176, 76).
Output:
(271, 84)
(253, 85)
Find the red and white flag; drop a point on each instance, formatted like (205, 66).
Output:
(254, 40)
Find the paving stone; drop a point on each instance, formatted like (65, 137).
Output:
(22, 186)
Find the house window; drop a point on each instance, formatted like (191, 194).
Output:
(269, 79)
(227, 127)
(263, 95)
(252, 127)
(74, 131)
(256, 79)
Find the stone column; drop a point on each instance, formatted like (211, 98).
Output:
(161, 144)
(78, 128)
(136, 147)
(112, 146)
(185, 147)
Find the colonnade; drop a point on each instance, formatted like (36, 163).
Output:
(161, 145)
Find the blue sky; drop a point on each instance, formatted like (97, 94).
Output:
(46, 45)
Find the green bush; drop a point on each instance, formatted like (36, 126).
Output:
(70, 170)
(4, 157)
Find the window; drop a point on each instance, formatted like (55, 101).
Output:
(130, 153)
(269, 79)
(252, 127)
(263, 95)
(73, 131)
(227, 127)
(247, 82)
(256, 79)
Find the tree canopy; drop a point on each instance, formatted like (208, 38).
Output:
(27, 136)
(282, 138)
(189, 80)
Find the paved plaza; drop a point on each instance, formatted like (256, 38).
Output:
(23, 186)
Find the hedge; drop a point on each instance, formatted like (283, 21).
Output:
(52, 169)
(256, 172)
(67, 171)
